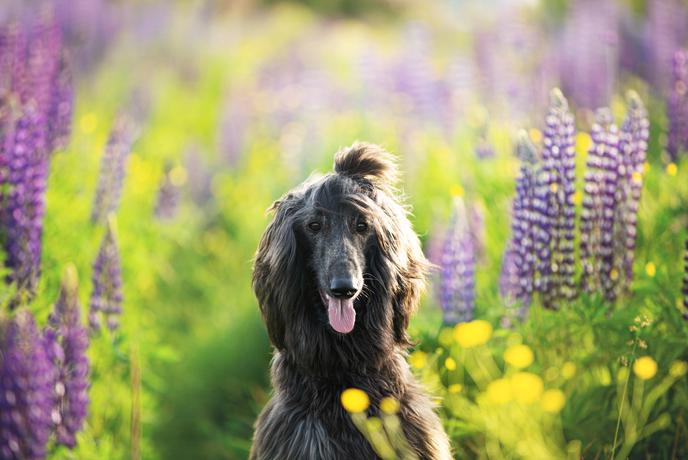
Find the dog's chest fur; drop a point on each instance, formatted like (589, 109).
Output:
(305, 419)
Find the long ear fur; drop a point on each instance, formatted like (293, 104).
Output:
(402, 249)
(367, 162)
(277, 272)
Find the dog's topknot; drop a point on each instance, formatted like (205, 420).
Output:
(368, 162)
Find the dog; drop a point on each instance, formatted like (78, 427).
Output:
(337, 274)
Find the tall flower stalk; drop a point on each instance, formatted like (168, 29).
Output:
(678, 106)
(106, 297)
(554, 205)
(35, 117)
(457, 264)
(633, 137)
(519, 266)
(68, 340)
(27, 379)
(599, 203)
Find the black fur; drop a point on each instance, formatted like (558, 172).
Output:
(313, 363)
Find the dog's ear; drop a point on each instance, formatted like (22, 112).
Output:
(276, 273)
(401, 261)
(367, 162)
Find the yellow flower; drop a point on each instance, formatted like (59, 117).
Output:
(526, 387)
(678, 369)
(88, 123)
(418, 359)
(568, 370)
(519, 356)
(355, 400)
(553, 187)
(553, 401)
(499, 391)
(455, 388)
(645, 368)
(389, 405)
(672, 169)
(473, 333)
(457, 190)
(450, 364)
(650, 269)
(637, 177)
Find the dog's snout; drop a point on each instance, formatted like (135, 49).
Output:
(343, 288)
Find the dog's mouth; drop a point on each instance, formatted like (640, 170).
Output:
(340, 312)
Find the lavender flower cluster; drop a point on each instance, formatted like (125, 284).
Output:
(459, 252)
(43, 378)
(35, 117)
(106, 297)
(122, 137)
(43, 373)
(540, 256)
(518, 270)
(678, 107)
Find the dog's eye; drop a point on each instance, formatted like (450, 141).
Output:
(315, 226)
(361, 227)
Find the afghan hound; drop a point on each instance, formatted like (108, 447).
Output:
(337, 274)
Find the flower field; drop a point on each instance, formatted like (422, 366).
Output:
(544, 154)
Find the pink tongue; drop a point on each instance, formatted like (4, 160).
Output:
(341, 314)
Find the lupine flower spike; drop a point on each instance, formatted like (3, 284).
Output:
(36, 83)
(555, 209)
(106, 298)
(457, 262)
(67, 341)
(27, 380)
(599, 203)
(519, 266)
(633, 138)
(678, 107)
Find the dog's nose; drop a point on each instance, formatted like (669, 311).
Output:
(343, 288)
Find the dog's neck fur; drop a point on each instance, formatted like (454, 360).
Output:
(291, 378)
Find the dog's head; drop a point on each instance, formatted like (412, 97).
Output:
(340, 255)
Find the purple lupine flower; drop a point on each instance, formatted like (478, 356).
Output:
(678, 107)
(588, 53)
(518, 271)
(68, 342)
(554, 204)
(599, 204)
(666, 31)
(457, 276)
(168, 198)
(112, 168)
(106, 297)
(60, 118)
(27, 379)
(31, 57)
(633, 137)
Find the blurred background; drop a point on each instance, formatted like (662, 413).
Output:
(205, 112)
